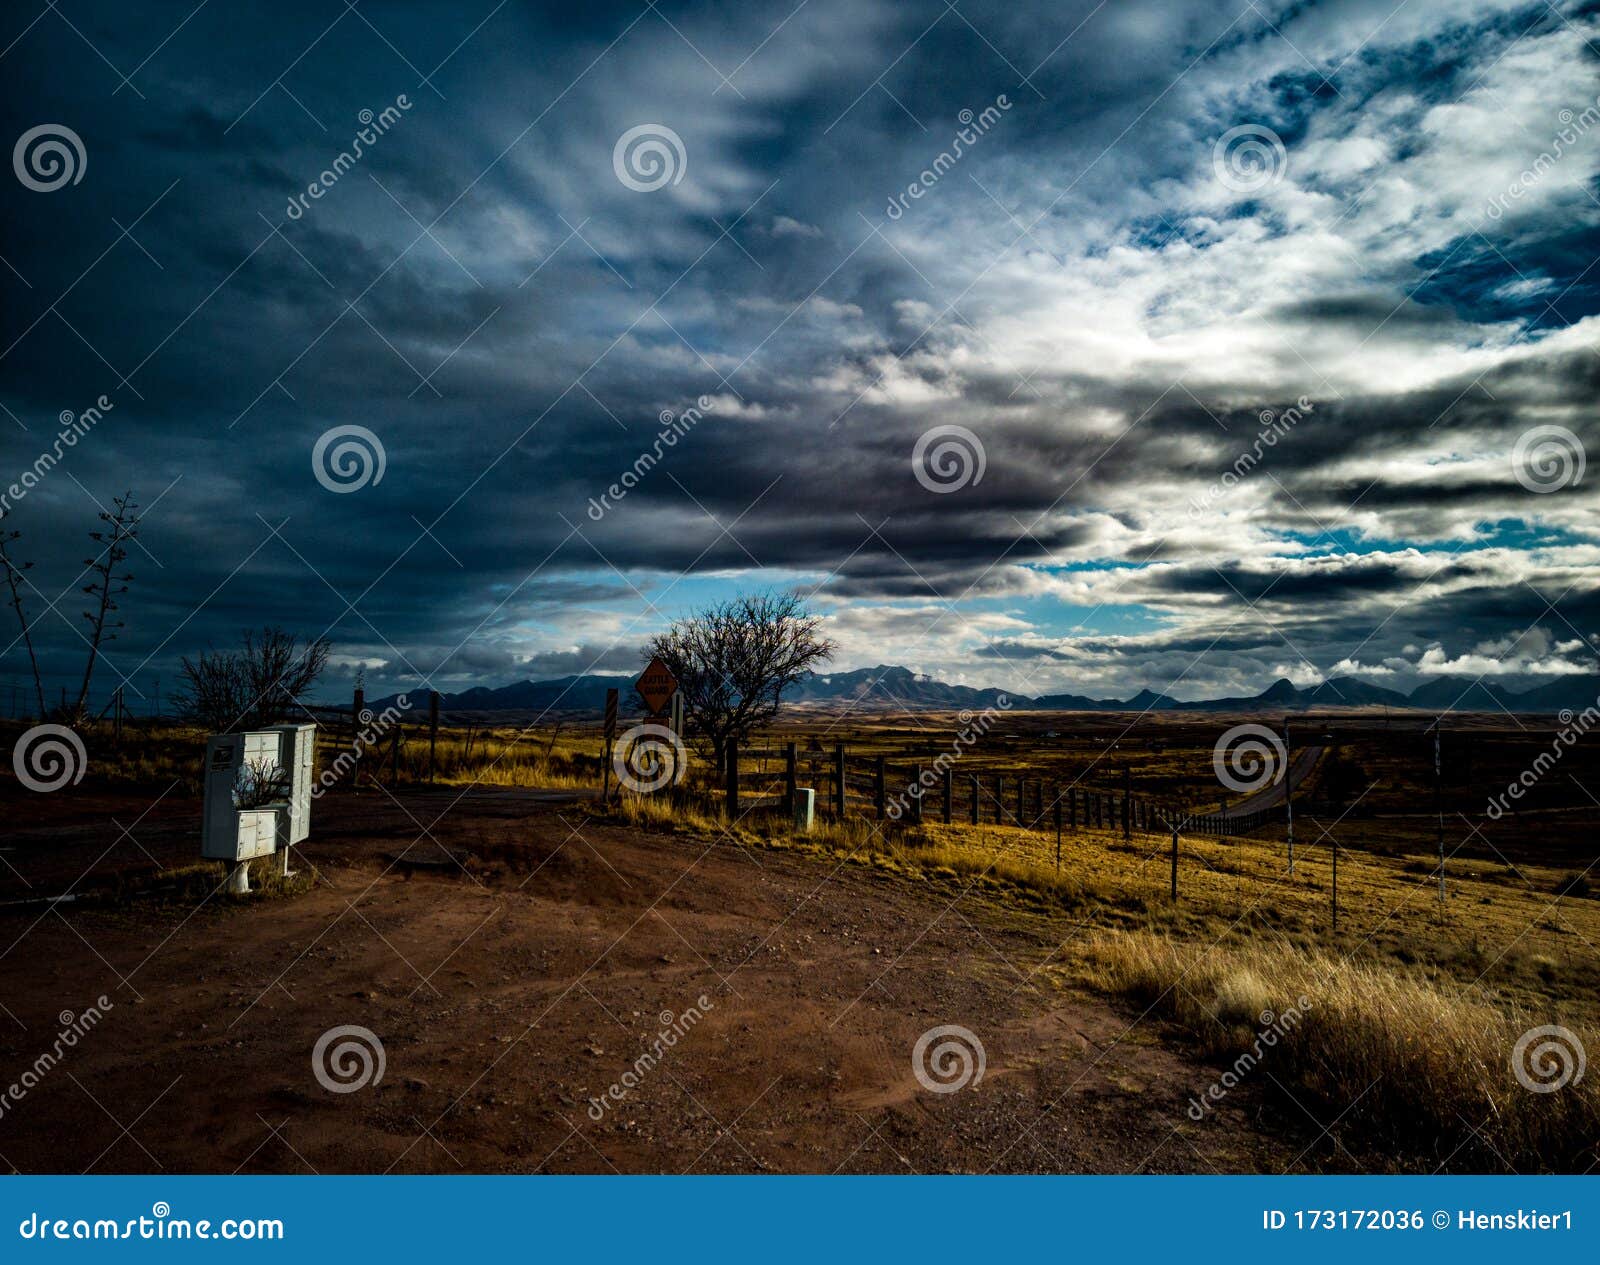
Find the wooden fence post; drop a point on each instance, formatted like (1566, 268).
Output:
(394, 758)
(733, 779)
(1174, 864)
(838, 780)
(878, 789)
(977, 801)
(790, 782)
(1057, 790)
(1072, 806)
(1335, 884)
(916, 796)
(1022, 790)
(999, 800)
(433, 731)
(949, 796)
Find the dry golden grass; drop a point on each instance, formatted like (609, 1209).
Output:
(1506, 933)
(1403, 1057)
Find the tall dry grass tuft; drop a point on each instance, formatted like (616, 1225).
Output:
(1401, 1060)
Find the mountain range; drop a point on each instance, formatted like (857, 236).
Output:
(885, 687)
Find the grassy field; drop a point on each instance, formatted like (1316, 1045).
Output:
(1415, 1002)
(1414, 1007)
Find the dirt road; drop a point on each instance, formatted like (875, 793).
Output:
(1271, 795)
(518, 982)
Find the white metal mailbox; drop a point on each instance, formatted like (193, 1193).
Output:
(224, 834)
(257, 797)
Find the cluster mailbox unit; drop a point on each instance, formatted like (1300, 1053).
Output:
(239, 822)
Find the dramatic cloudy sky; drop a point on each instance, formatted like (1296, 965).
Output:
(1178, 217)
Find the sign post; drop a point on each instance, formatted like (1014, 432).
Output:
(659, 689)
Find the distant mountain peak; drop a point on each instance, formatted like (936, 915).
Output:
(895, 686)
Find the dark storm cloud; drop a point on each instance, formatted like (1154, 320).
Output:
(481, 291)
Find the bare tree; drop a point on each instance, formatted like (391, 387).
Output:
(122, 527)
(734, 660)
(15, 581)
(258, 685)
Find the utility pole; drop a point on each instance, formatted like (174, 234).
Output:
(1288, 792)
(1438, 802)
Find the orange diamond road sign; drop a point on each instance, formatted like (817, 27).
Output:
(657, 685)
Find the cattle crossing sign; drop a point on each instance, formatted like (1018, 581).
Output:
(656, 685)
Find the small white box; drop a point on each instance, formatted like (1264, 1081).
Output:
(257, 833)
